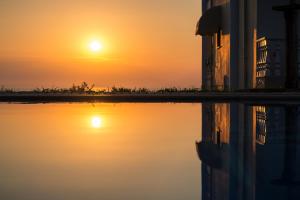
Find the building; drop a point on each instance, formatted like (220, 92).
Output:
(250, 152)
(226, 151)
(245, 42)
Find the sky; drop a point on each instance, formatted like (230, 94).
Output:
(144, 43)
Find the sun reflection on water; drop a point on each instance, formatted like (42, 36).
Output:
(96, 122)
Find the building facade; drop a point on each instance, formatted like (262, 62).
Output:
(250, 152)
(245, 44)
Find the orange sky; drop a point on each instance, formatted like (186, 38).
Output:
(146, 43)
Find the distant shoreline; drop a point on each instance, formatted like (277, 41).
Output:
(151, 98)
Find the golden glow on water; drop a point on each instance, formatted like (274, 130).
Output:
(96, 122)
(91, 151)
(95, 46)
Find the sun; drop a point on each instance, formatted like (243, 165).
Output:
(96, 122)
(95, 46)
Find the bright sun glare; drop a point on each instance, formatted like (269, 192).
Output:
(96, 122)
(95, 46)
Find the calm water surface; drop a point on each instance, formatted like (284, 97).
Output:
(99, 151)
(148, 151)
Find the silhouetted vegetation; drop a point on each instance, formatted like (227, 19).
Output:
(86, 89)
(6, 90)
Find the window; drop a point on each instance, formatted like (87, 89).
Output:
(219, 38)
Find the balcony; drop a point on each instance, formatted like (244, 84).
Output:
(271, 59)
(261, 125)
(214, 155)
(270, 62)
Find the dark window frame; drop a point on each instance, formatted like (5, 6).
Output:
(219, 38)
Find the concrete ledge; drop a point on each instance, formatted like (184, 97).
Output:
(251, 97)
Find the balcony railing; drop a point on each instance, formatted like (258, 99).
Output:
(270, 123)
(270, 67)
(270, 61)
(261, 125)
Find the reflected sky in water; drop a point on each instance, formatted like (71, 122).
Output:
(99, 151)
(148, 151)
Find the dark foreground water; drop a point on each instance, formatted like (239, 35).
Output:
(148, 151)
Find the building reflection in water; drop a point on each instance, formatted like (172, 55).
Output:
(250, 152)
